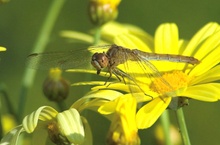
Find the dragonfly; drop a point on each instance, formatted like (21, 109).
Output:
(117, 55)
(107, 56)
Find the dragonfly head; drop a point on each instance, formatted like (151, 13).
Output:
(99, 61)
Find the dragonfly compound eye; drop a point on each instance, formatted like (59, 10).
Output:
(99, 60)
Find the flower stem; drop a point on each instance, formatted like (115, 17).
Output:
(182, 125)
(165, 121)
(62, 105)
(39, 46)
(97, 35)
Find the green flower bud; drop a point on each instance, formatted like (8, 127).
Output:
(102, 11)
(55, 87)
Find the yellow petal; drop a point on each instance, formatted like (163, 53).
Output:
(210, 76)
(44, 113)
(149, 113)
(79, 36)
(112, 29)
(100, 97)
(204, 92)
(141, 34)
(71, 126)
(212, 59)
(116, 86)
(199, 37)
(132, 42)
(107, 108)
(99, 83)
(102, 73)
(209, 44)
(167, 39)
(143, 97)
(167, 42)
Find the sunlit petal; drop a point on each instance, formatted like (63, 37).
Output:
(123, 129)
(79, 36)
(44, 113)
(199, 37)
(166, 39)
(107, 108)
(207, 63)
(149, 113)
(131, 42)
(204, 92)
(95, 98)
(112, 29)
(71, 126)
(210, 76)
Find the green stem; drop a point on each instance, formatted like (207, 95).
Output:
(182, 125)
(165, 121)
(97, 35)
(62, 105)
(39, 46)
(1, 124)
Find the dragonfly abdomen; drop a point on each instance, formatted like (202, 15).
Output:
(166, 57)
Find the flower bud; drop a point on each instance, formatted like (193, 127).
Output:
(55, 87)
(102, 11)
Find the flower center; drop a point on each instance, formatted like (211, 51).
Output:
(169, 82)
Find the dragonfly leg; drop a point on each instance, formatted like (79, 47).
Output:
(149, 96)
(120, 79)
(110, 75)
(117, 72)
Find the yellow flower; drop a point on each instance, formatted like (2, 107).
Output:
(167, 80)
(123, 129)
(196, 82)
(63, 128)
(172, 79)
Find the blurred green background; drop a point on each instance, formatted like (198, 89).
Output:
(20, 23)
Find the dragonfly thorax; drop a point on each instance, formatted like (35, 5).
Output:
(99, 61)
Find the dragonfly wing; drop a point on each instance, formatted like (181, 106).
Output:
(63, 60)
(77, 58)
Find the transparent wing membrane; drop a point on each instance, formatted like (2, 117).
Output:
(77, 58)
